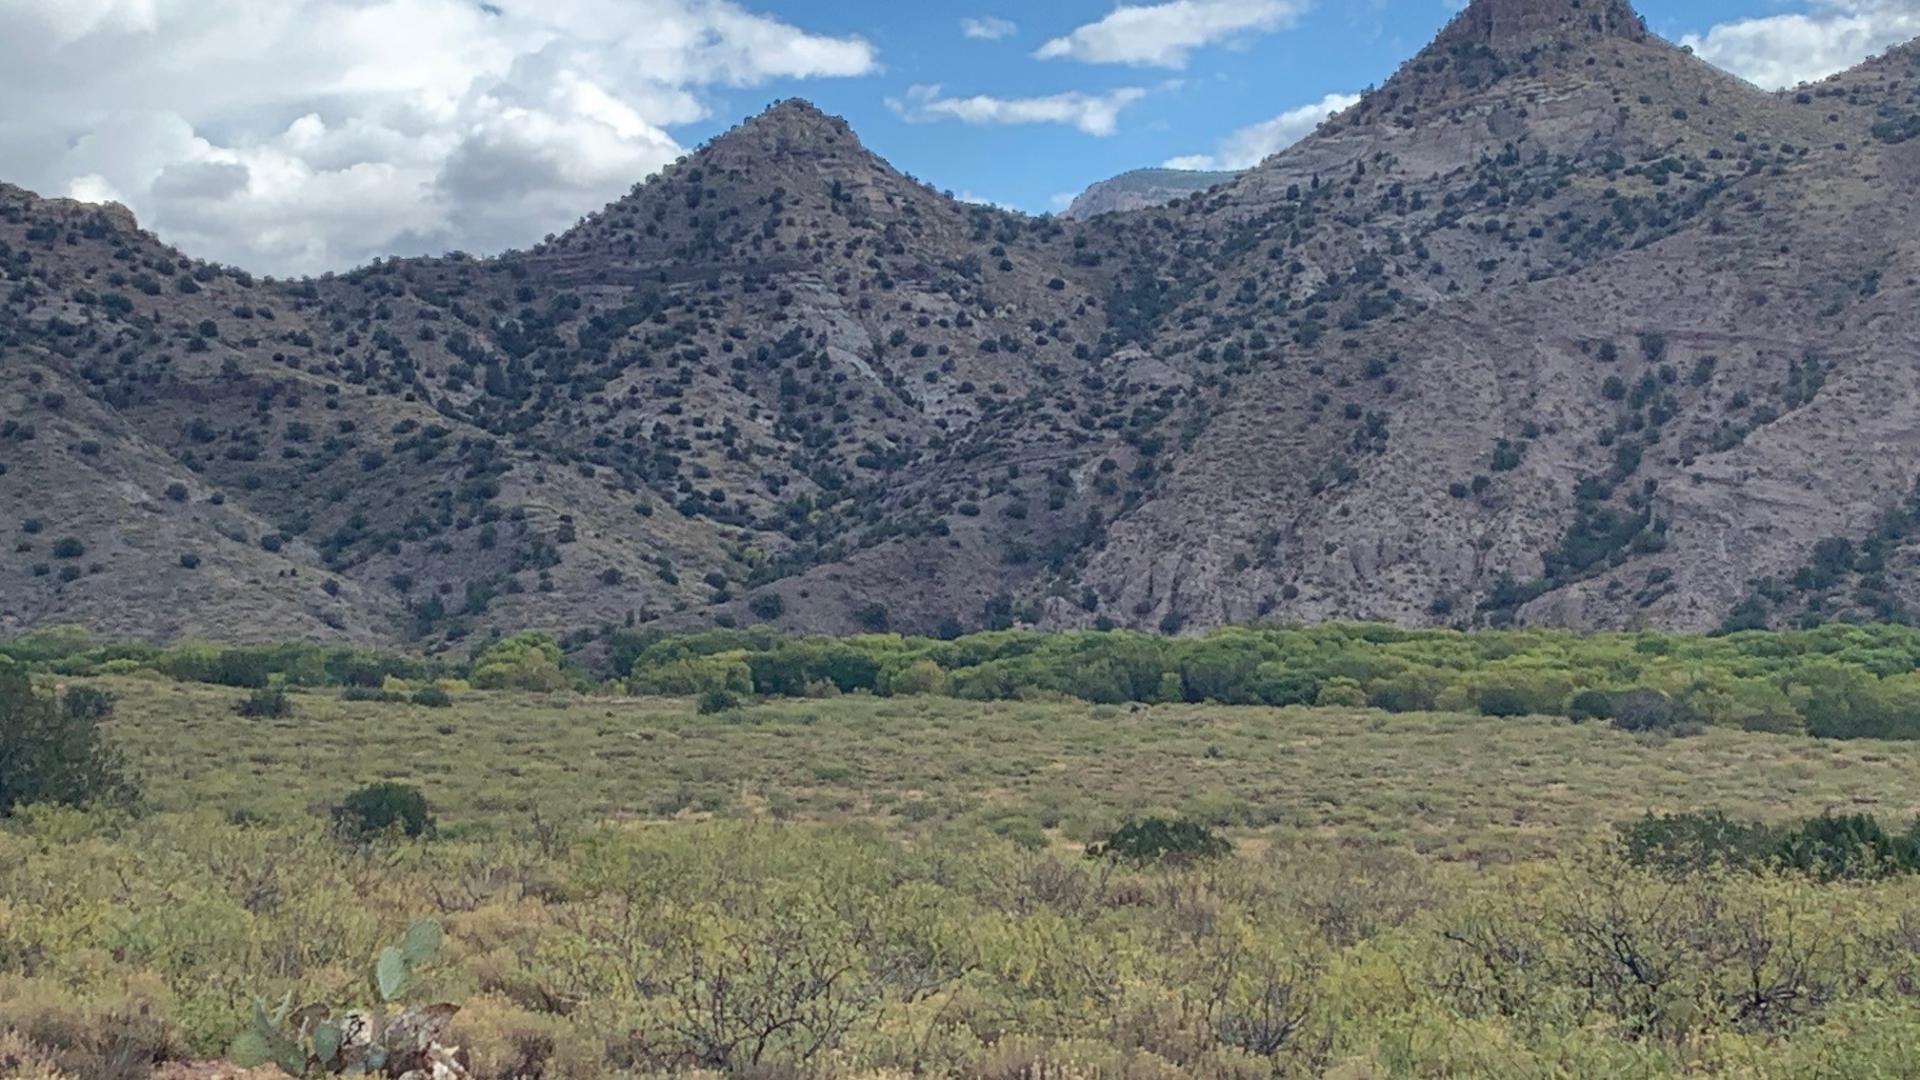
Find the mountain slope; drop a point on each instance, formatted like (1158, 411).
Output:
(1141, 189)
(1560, 326)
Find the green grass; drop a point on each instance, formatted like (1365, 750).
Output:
(1455, 786)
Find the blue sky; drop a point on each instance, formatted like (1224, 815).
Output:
(302, 136)
(1336, 47)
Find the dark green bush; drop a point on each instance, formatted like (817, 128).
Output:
(383, 808)
(86, 704)
(1846, 846)
(1696, 841)
(1151, 840)
(366, 693)
(432, 697)
(268, 701)
(1645, 710)
(1590, 705)
(717, 700)
(53, 751)
(1830, 847)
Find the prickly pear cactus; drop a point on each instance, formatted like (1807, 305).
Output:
(311, 1042)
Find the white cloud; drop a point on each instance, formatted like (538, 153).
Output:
(309, 135)
(982, 200)
(1251, 145)
(987, 28)
(1095, 114)
(1165, 35)
(1785, 50)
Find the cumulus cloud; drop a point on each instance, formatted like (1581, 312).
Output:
(310, 135)
(987, 28)
(982, 200)
(1095, 114)
(1253, 144)
(1785, 50)
(1166, 34)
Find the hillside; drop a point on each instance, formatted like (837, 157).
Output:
(1560, 325)
(1141, 189)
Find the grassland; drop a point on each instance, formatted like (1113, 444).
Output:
(880, 888)
(1456, 786)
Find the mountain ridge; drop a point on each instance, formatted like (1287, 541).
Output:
(1568, 330)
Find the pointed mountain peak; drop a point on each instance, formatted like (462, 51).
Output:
(1519, 24)
(793, 125)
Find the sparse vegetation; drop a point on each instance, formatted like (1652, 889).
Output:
(1598, 354)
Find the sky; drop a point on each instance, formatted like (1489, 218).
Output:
(295, 137)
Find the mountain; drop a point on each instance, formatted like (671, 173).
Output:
(1559, 326)
(1143, 188)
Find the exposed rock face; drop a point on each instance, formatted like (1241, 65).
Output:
(1559, 326)
(1521, 24)
(1143, 188)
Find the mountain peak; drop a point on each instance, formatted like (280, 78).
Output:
(797, 120)
(1510, 24)
(790, 128)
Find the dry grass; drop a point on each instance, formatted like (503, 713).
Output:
(1460, 787)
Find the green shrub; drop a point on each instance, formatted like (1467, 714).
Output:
(526, 661)
(1151, 840)
(69, 548)
(1830, 847)
(86, 704)
(1847, 846)
(1590, 705)
(1341, 692)
(693, 676)
(432, 697)
(53, 751)
(265, 702)
(767, 605)
(1694, 842)
(382, 808)
(366, 693)
(1643, 710)
(717, 700)
(920, 677)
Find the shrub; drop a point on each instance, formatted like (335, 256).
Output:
(920, 677)
(86, 704)
(873, 617)
(1830, 847)
(717, 700)
(527, 661)
(1846, 846)
(767, 605)
(1341, 692)
(69, 548)
(266, 701)
(432, 697)
(52, 751)
(1692, 842)
(1160, 840)
(382, 808)
(366, 693)
(1590, 705)
(692, 676)
(1644, 710)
